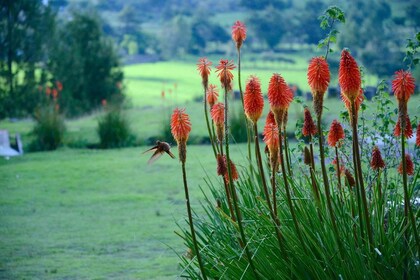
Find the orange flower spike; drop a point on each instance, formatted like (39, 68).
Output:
(376, 161)
(349, 177)
(253, 99)
(212, 95)
(238, 33)
(403, 85)
(59, 85)
(203, 67)
(408, 131)
(349, 76)
(318, 75)
(309, 127)
(218, 116)
(48, 91)
(280, 96)
(408, 164)
(357, 103)
(418, 136)
(233, 170)
(181, 128)
(224, 73)
(271, 133)
(335, 134)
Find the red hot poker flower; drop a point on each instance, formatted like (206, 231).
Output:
(408, 164)
(180, 125)
(403, 85)
(212, 95)
(222, 168)
(253, 99)
(376, 161)
(408, 131)
(203, 67)
(349, 76)
(238, 33)
(318, 75)
(309, 127)
(180, 128)
(336, 133)
(59, 85)
(418, 136)
(280, 96)
(225, 75)
(271, 133)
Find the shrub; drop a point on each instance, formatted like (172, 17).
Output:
(238, 124)
(49, 129)
(114, 130)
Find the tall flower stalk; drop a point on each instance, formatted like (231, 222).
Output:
(350, 82)
(239, 36)
(403, 87)
(180, 128)
(318, 80)
(280, 96)
(203, 67)
(224, 73)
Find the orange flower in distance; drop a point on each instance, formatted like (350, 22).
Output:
(309, 127)
(104, 103)
(238, 33)
(349, 76)
(335, 134)
(48, 91)
(253, 99)
(403, 85)
(203, 67)
(376, 161)
(54, 93)
(408, 131)
(418, 136)
(334, 163)
(212, 95)
(180, 125)
(280, 96)
(59, 85)
(409, 165)
(224, 73)
(318, 75)
(218, 116)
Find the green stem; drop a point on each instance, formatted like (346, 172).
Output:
(339, 175)
(228, 194)
(360, 175)
(194, 239)
(327, 187)
(358, 198)
(208, 124)
(408, 211)
(312, 153)
(247, 124)
(272, 210)
(288, 195)
(233, 191)
(286, 150)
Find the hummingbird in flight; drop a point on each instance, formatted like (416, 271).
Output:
(159, 149)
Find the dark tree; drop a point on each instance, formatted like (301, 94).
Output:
(86, 64)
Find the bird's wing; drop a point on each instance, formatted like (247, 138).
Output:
(171, 154)
(151, 149)
(155, 156)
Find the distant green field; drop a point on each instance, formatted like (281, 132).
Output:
(86, 214)
(148, 112)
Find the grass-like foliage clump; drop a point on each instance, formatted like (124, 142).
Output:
(346, 213)
(114, 130)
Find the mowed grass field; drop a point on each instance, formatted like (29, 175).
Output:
(88, 214)
(95, 214)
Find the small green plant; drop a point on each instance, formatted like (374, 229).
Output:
(114, 130)
(238, 127)
(49, 129)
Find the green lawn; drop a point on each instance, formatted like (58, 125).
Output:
(88, 214)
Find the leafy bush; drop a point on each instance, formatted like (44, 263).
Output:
(238, 123)
(49, 129)
(114, 130)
